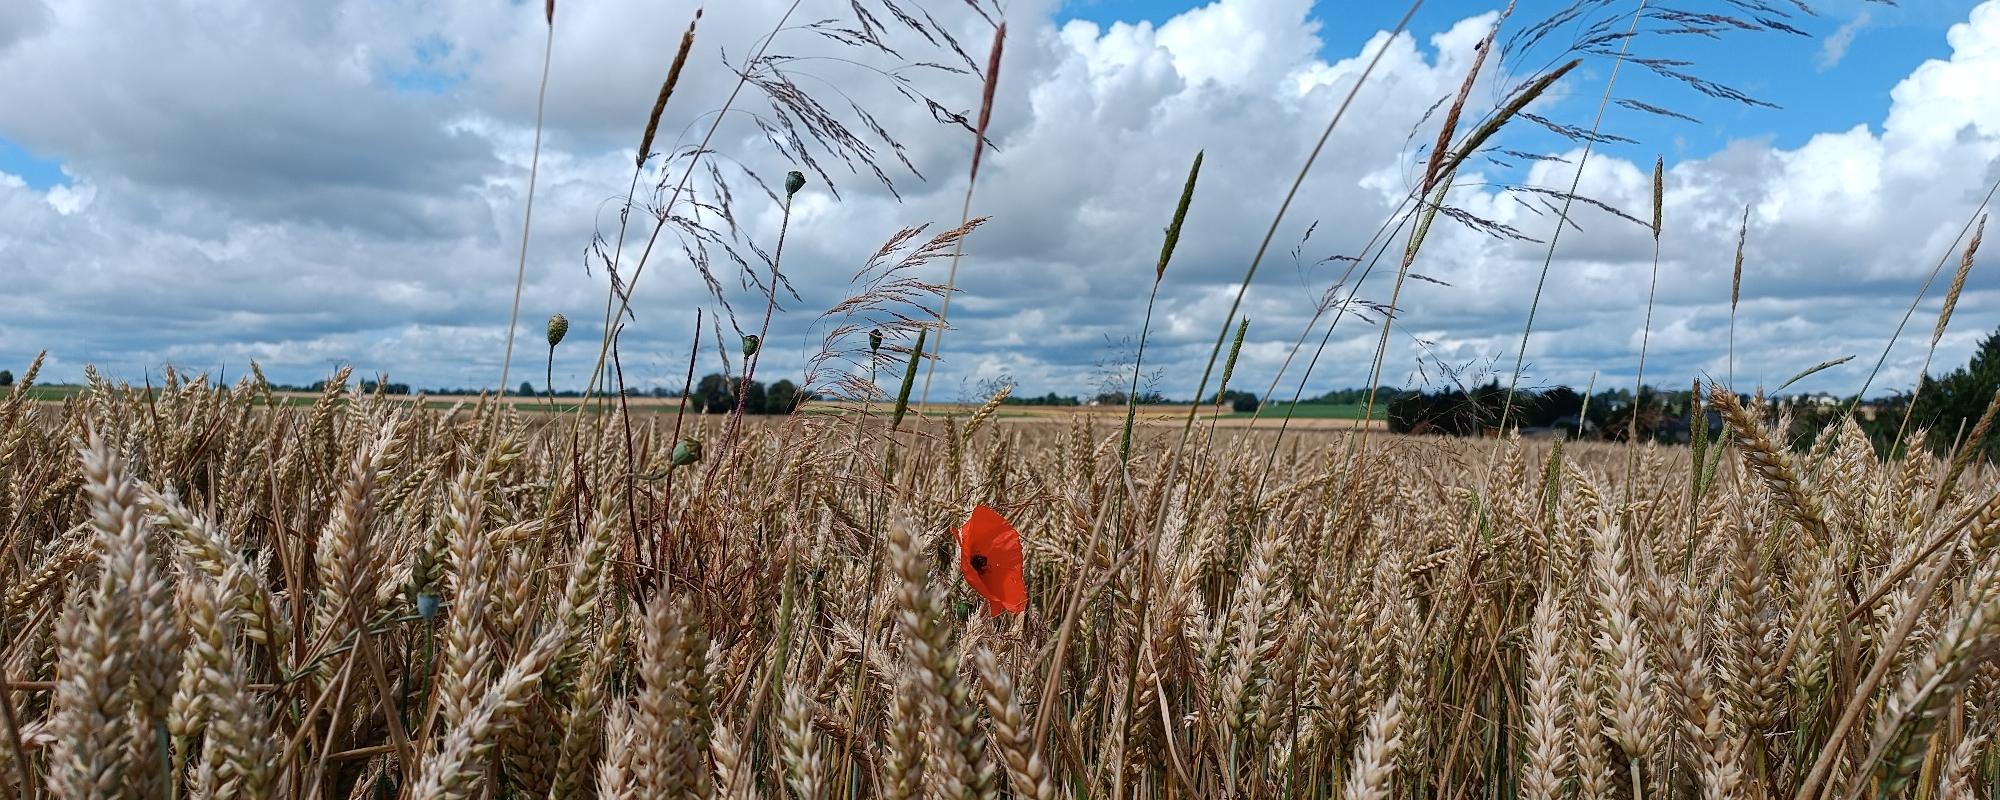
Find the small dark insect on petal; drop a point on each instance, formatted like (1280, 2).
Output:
(979, 564)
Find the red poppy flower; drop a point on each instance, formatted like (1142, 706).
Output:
(989, 553)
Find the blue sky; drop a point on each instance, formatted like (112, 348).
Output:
(303, 183)
(1779, 69)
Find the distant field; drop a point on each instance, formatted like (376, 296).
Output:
(1148, 415)
(1312, 411)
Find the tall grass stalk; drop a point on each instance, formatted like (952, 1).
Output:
(1173, 238)
(528, 213)
(1736, 290)
(1646, 328)
(990, 86)
(1562, 217)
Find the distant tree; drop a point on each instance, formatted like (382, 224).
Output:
(783, 397)
(527, 389)
(1953, 403)
(755, 400)
(6, 378)
(1555, 404)
(712, 394)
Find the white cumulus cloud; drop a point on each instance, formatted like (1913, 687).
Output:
(252, 182)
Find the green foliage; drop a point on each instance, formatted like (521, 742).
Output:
(782, 398)
(1240, 402)
(369, 387)
(712, 394)
(715, 394)
(1950, 405)
(6, 378)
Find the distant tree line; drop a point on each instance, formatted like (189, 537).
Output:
(1947, 406)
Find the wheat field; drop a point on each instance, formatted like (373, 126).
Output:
(209, 597)
(214, 591)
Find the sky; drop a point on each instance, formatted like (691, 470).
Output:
(205, 183)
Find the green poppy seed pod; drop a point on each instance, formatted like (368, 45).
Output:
(875, 341)
(558, 328)
(687, 452)
(794, 181)
(750, 345)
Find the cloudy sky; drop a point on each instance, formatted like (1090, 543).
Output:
(308, 184)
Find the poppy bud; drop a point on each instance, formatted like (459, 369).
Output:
(794, 181)
(558, 328)
(750, 345)
(687, 452)
(875, 341)
(427, 605)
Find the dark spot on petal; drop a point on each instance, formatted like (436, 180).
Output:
(979, 564)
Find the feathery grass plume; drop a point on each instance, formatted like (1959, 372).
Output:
(1264, 244)
(666, 91)
(1180, 217)
(989, 89)
(1765, 460)
(1590, 139)
(1501, 116)
(1145, 328)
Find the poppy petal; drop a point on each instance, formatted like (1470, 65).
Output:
(988, 534)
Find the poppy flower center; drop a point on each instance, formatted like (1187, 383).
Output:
(979, 564)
